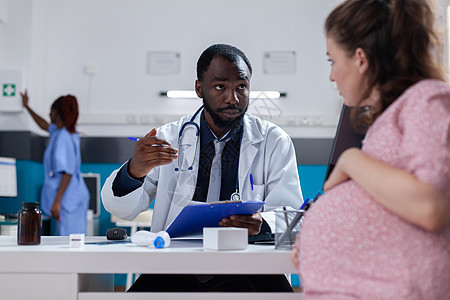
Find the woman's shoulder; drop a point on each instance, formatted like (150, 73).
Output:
(428, 90)
(425, 97)
(425, 100)
(52, 128)
(65, 136)
(425, 106)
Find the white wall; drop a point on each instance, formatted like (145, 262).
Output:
(115, 36)
(15, 50)
(52, 41)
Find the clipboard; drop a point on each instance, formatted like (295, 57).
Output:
(192, 218)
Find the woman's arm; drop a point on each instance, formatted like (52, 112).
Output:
(397, 190)
(63, 184)
(38, 119)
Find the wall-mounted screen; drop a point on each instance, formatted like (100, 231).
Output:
(8, 177)
(93, 183)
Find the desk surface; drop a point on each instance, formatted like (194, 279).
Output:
(183, 256)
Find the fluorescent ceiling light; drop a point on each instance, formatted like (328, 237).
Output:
(265, 95)
(175, 94)
(180, 94)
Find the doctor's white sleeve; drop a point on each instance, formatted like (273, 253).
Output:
(127, 207)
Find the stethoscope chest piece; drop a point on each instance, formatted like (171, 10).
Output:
(235, 196)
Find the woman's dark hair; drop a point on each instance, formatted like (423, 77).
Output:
(67, 108)
(399, 41)
(228, 52)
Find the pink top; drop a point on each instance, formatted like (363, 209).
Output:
(353, 248)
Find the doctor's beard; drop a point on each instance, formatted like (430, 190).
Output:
(224, 124)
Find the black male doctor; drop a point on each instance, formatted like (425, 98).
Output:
(212, 155)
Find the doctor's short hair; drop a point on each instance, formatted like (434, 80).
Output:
(228, 52)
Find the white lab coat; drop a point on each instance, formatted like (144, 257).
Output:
(266, 152)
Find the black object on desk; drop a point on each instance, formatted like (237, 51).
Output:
(267, 238)
(116, 234)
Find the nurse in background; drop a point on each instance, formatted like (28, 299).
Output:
(65, 195)
(382, 228)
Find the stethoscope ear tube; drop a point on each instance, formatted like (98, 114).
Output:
(191, 122)
(197, 134)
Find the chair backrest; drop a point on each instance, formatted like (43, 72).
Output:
(346, 137)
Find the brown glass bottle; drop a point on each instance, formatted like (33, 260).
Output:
(29, 224)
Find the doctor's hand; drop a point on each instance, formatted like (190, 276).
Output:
(149, 152)
(252, 223)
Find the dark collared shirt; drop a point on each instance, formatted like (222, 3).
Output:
(229, 159)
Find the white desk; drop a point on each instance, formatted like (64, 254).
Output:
(144, 219)
(52, 270)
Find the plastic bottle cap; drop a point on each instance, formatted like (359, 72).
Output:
(159, 242)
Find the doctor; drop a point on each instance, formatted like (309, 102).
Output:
(212, 155)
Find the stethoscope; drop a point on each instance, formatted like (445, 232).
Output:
(197, 135)
(235, 196)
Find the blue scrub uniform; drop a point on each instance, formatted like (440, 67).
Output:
(63, 155)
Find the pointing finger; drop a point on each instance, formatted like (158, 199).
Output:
(151, 133)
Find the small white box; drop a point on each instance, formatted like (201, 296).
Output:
(225, 238)
(76, 240)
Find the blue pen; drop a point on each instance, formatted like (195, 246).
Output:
(304, 204)
(320, 192)
(251, 180)
(137, 139)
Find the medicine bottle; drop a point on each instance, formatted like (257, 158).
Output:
(29, 224)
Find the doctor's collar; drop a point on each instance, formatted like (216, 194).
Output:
(207, 135)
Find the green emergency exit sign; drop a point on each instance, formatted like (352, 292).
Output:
(9, 90)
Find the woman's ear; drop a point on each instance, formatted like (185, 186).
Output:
(198, 88)
(361, 61)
